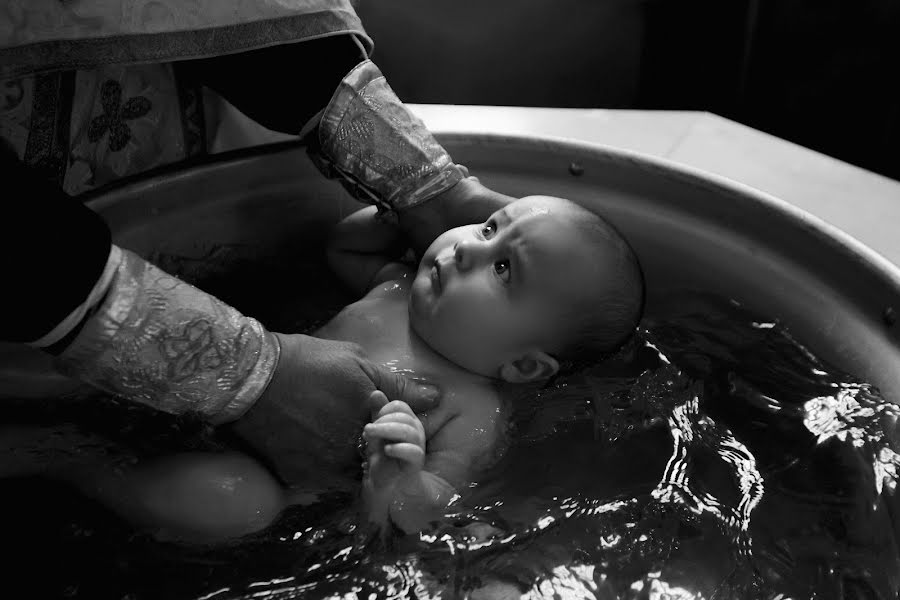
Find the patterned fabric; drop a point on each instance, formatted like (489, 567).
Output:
(87, 94)
(38, 36)
(164, 343)
(84, 129)
(381, 151)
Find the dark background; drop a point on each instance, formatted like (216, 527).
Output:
(820, 73)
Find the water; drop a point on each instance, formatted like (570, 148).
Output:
(714, 457)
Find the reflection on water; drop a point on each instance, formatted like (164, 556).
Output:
(715, 457)
(855, 414)
(692, 433)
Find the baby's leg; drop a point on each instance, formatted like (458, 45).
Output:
(196, 497)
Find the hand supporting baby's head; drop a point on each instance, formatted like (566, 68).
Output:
(542, 281)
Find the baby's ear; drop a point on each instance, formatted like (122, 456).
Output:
(532, 366)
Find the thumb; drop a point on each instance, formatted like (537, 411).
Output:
(420, 395)
(377, 401)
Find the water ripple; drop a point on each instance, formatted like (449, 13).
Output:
(691, 430)
(856, 416)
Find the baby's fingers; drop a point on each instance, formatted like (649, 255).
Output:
(411, 454)
(404, 418)
(392, 431)
(377, 401)
(395, 406)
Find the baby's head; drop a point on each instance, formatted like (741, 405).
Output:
(542, 281)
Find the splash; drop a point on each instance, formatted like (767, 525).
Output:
(633, 479)
(692, 431)
(395, 581)
(653, 587)
(857, 416)
(575, 582)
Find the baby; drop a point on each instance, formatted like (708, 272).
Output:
(542, 283)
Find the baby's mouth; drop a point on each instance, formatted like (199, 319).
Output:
(436, 283)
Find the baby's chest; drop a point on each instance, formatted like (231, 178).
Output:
(379, 323)
(469, 418)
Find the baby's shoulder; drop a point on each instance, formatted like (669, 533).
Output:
(392, 280)
(373, 321)
(383, 297)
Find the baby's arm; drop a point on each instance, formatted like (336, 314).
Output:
(364, 251)
(403, 482)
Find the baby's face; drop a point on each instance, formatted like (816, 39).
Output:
(485, 293)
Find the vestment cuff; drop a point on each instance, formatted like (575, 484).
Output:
(157, 340)
(381, 152)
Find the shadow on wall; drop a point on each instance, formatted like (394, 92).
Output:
(566, 53)
(821, 73)
(825, 74)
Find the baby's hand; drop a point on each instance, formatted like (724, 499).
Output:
(395, 441)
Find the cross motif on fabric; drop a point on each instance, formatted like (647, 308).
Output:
(114, 116)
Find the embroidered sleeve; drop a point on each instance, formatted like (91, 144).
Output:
(157, 340)
(382, 152)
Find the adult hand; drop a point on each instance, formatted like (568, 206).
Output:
(466, 202)
(307, 423)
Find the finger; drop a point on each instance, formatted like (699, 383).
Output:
(371, 443)
(400, 417)
(411, 454)
(402, 408)
(377, 400)
(373, 462)
(420, 395)
(374, 445)
(392, 432)
(395, 406)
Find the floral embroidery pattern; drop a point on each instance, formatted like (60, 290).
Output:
(115, 114)
(193, 351)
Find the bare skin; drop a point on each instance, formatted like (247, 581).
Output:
(417, 463)
(201, 497)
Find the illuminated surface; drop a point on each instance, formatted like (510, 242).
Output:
(863, 204)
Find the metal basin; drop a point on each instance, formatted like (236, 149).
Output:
(690, 229)
(250, 227)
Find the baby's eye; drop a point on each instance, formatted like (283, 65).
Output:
(488, 230)
(501, 267)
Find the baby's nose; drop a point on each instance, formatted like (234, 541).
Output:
(462, 254)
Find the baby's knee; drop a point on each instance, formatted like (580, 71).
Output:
(207, 497)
